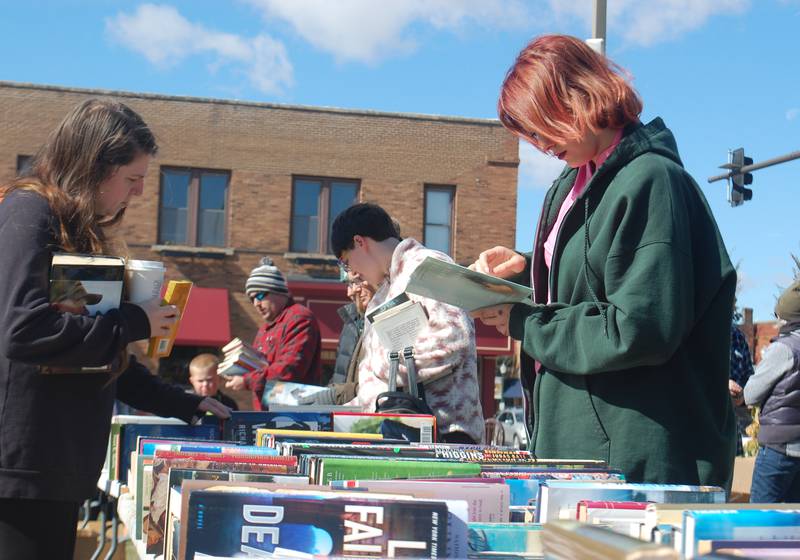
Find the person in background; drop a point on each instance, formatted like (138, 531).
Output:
(344, 383)
(741, 370)
(366, 242)
(632, 281)
(775, 387)
(289, 338)
(54, 428)
(205, 381)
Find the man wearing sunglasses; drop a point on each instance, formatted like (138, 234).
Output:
(289, 337)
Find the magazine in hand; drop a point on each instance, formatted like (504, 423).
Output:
(468, 289)
(398, 322)
(287, 392)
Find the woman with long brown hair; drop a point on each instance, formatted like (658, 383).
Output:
(54, 428)
(632, 334)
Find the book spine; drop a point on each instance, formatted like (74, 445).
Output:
(177, 294)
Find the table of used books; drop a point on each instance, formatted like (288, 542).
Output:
(306, 482)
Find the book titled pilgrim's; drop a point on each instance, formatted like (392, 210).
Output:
(85, 285)
(275, 524)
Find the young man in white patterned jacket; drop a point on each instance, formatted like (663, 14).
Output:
(366, 241)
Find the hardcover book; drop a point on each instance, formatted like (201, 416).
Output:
(240, 358)
(84, 285)
(559, 499)
(345, 468)
(423, 425)
(272, 523)
(703, 526)
(243, 426)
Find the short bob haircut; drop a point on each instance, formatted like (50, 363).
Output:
(364, 219)
(560, 89)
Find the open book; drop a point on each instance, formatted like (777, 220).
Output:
(459, 286)
(398, 322)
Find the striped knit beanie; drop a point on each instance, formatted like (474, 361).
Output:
(265, 278)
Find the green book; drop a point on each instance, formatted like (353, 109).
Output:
(348, 468)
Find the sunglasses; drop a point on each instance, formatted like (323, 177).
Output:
(260, 296)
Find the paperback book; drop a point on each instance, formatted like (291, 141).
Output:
(283, 524)
(398, 322)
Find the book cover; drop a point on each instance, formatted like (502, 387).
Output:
(243, 426)
(286, 392)
(266, 523)
(154, 524)
(459, 286)
(668, 518)
(129, 434)
(703, 526)
(263, 433)
(525, 491)
(486, 503)
(177, 294)
(84, 285)
(423, 425)
(558, 499)
(344, 468)
(505, 537)
(571, 539)
(398, 322)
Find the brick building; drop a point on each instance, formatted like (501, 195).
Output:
(235, 181)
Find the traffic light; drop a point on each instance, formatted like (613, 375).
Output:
(737, 193)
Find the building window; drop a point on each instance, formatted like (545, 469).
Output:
(24, 164)
(315, 204)
(438, 232)
(193, 206)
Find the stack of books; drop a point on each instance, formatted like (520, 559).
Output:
(294, 483)
(240, 358)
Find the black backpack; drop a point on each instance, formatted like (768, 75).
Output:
(401, 402)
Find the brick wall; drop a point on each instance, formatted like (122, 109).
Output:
(264, 145)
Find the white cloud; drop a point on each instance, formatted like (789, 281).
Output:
(647, 22)
(369, 31)
(165, 38)
(792, 113)
(537, 170)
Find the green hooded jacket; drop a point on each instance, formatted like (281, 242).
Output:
(634, 349)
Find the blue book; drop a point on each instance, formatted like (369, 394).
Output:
(701, 527)
(559, 499)
(505, 537)
(241, 427)
(252, 523)
(525, 491)
(126, 430)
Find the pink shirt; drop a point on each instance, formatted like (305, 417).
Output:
(585, 173)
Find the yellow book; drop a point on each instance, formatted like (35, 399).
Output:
(263, 433)
(177, 294)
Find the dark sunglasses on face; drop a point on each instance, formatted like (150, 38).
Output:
(259, 296)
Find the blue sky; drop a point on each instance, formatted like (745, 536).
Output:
(722, 73)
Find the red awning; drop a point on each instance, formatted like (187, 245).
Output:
(206, 319)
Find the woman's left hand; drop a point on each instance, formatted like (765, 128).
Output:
(495, 316)
(214, 407)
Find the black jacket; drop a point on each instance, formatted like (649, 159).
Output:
(353, 325)
(54, 428)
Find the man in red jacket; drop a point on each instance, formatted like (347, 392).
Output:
(289, 337)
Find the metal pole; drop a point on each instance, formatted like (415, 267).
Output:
(599, 24)
(755, 166)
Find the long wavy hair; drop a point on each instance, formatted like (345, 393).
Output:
(91, 143)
